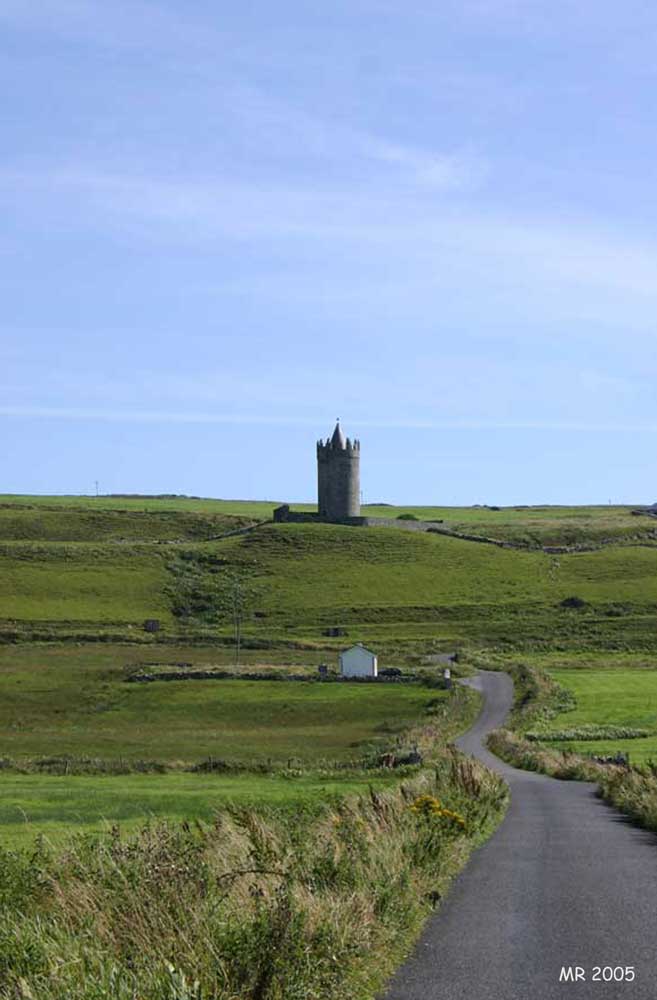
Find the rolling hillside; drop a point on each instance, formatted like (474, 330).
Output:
(73, 572)
(531, 526)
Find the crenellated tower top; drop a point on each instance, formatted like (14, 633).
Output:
(337, 442)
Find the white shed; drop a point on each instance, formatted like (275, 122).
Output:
(357, 661)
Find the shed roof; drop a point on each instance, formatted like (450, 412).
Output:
(358, 645)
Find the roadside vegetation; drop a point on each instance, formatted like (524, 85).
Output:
(259, 905)
(541, 701)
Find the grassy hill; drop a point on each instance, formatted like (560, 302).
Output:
(77, 583)
(46, 523)
(71, 571)
(378, 583)
(531, 526)
(320, 566)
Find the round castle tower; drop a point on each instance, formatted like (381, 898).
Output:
(338, 477)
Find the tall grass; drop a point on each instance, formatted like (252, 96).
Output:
(634, 792)
(258, 906)
(529, 756)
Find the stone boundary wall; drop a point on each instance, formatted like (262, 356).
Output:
(395, 522)
(225, 675)
(283, 515)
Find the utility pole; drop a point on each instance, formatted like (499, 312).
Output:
(237, 619)
(96, 487)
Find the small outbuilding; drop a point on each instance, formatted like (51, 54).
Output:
(357, 661)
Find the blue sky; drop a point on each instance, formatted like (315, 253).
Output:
(225, 224)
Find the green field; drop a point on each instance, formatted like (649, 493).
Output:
(78, 582)
(57, 700)
(257, 509)
(65, 524)
(611, 696)
(72, 701)
(534, 526)
(59, 806)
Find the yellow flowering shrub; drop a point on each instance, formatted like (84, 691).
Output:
(429, 807)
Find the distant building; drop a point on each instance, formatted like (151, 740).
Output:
(357, 661)
(338, 492)
(338, 484)
(338, 477)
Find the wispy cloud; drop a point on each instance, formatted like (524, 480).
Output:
(137, 24)
(293, 420)
(402, 225)
(272, 127)
(453, 391)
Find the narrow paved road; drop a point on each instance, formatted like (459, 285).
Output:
(564, 881)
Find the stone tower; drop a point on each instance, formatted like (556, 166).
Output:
(338, 477)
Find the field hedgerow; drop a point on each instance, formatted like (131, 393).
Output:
(531, 756)
(587, 732)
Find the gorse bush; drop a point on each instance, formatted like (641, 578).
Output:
(428, 807)
(258, 906)
(23, 877)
